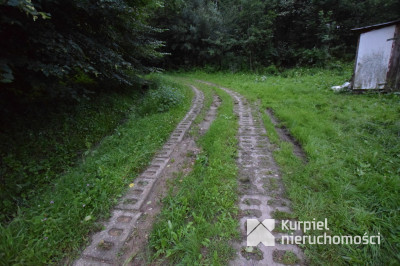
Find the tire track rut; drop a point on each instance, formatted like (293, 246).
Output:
(107, 245)
(260, 185)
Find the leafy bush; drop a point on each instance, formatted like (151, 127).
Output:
(314, 57)
(272, 70)
(161, 100)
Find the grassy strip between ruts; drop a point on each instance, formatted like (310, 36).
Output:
(198, 220)
(60, 219)
(352, 144)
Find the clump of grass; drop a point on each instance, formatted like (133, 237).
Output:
(286, 257)
(160, 99)
(281, 215)
(252, 253)
(271, 184)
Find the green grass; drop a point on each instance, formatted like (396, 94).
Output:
(351, 178)
(352, 144)
(198, 220)
(208, 99)
(58, 221)
(44, 140)
(289, 258)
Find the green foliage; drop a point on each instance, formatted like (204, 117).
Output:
(27, 7)
(46, 139)
(55, 223)
(197, 220)
(191, 25)
(160, 99)
(108, 41)
(246, 35)
(313, 57)
(83, 78)
(351, 141)
(272, 70)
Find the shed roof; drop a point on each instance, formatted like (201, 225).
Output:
(377, 26)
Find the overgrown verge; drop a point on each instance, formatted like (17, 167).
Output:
(40, 141)
(55, 223)
(351, 141)
(198, 215)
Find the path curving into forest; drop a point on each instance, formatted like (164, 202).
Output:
(261, 190)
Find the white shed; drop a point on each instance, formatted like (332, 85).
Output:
(377, 63)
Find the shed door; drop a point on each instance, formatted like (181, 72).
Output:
(373, 57)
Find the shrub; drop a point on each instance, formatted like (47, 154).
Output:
(271, 70)
(160, 100)
(313, 57)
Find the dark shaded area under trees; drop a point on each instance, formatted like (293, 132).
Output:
(67, 71)
(69, 47)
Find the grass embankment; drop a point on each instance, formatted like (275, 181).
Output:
(198, 220)
(56, 222)
(39, 141)
(352, 143)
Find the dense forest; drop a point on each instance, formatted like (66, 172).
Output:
(68, 48)
(249, 35)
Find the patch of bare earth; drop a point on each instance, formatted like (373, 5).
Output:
(261, 188)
